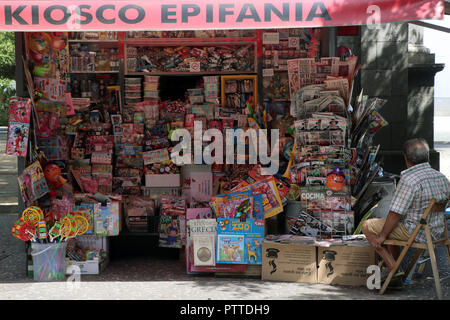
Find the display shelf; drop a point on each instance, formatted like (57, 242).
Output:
(169, 73)
(94, 41)
(92, 72)
(189, 41)
(138, 234)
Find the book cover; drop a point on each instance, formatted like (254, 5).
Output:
(203, 233)
(239, 241)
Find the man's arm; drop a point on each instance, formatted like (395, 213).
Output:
(391, 222)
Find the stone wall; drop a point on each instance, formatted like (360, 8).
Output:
(398, 68)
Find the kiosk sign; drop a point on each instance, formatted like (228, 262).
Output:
(205, 14)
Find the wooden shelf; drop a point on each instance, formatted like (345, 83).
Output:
(92, 72)
(168, 73)
(189, 41)
(138, 234)
(94, 41)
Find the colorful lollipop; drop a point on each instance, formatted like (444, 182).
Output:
(42, 230)
(69, 228)
(55, 230)
(23, 230)
(33, 214)
(82, 224)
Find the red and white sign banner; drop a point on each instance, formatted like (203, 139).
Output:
(84, 15)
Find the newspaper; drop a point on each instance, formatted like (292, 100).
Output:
(309, 71)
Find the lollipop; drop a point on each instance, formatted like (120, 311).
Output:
(42, 230)
(82, 224)
(55, 230)
(69, 228)
(23, 230)
(33, 214)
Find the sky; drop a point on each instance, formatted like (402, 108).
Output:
(439, 43)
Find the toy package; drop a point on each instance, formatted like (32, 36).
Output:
(239, 242)
(106, 220)
(18, 126)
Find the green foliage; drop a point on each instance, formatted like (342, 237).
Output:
(7, 74)
(7, 55)
(7, 89)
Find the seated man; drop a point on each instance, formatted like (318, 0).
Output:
(418, 184)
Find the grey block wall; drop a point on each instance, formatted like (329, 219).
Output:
(398, 68)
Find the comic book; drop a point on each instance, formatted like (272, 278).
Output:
(32, 183)
(236, 208)
(239, 242)
(272, 204)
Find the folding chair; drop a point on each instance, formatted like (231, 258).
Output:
(429, 245)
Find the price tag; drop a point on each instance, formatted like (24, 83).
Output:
(268, 73)
(194, 66)
(271, 38)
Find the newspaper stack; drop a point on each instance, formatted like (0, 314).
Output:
(320, 93)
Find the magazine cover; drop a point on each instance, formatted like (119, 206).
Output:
(272, 204)
(307, 225)
(170, 232)
(230, 249)
(239, 241)
(236, 208)
(32, 183)
(256, 200)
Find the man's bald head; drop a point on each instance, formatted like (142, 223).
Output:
(416, 151)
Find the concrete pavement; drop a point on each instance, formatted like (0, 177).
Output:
(8, 178)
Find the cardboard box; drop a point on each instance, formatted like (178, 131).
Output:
(344, 265)
(95, 266)
(289, 262)
(162, 180)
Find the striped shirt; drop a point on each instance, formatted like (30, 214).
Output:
(417, 186)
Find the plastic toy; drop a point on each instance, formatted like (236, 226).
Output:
(53, 176)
